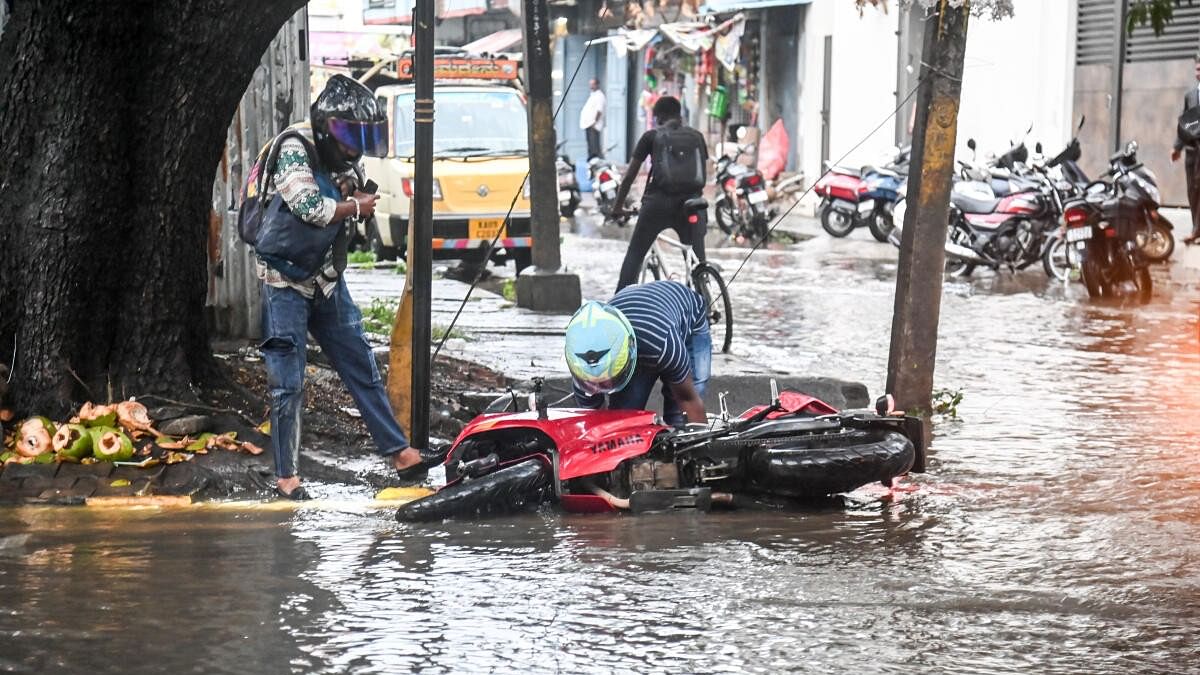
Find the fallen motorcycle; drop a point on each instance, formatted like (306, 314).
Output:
(593, 461)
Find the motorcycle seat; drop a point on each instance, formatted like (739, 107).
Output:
(696, 204)
(883, 173)
(971, 204)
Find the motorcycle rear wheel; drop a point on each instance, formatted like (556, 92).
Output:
(835, 222)
(514, 488)
(817, 465)
(711, 286)
(726, 218)
(1093, 279)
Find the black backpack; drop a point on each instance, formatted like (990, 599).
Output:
(678, 159)
(253, 208)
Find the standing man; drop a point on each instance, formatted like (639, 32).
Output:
(317, 176)
(1190, 156)
(678, 171)
(591, 119)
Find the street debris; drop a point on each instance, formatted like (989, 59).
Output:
(114, 433)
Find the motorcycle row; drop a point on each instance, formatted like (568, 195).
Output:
(1018, 210)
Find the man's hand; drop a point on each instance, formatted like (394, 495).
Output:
(689, 400)
(1175, 155)
(366, 203)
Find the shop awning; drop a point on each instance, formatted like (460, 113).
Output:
(725, 6)
(500, 41)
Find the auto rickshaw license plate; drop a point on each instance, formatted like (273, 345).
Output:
(484, 228)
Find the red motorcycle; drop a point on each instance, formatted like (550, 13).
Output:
(594, 461)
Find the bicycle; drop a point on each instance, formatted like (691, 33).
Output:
(704, 278)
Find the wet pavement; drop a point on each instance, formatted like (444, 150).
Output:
(1058, 528)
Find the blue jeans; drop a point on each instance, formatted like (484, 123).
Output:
(336, 323)
(636, 394)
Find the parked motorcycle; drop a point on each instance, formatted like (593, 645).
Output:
(866, 197)
(606, 178)
(1102, 227)
(741, 205)
(568, 185)
(593, 461)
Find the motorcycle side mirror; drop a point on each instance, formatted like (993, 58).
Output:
(971, 143)
(1082, 119)
(1038, 147)
(1131, 148)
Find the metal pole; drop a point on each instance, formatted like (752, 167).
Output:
(543, 180)
(922, 248)
(421, 243)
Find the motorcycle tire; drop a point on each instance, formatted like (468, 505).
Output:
(818, 465)
(726, 218)
(708, 282)
(761, 226)
(1093, 279)
(837, 228)
(568, 210)
(881, 226)
(509, 490)
(1056, 259)
(1159, 243)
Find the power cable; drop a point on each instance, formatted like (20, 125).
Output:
(508, 217)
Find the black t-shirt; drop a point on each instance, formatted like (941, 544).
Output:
(644, 149)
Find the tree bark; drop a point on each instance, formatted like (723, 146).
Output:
(114, 115)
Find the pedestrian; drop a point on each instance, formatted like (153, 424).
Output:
(1191, 155)
(591, 119)
(677, 173)
(621, 349)
(318, 177)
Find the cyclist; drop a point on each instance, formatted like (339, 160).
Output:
(679, 156)
(620, 349)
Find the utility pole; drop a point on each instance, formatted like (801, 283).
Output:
(420, 245)
(922, 248)
(543, 287)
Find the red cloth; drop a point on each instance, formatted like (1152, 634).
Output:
(773, 151)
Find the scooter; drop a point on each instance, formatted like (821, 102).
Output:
(568, 185)
(603, 461)
(741, 206)
(866, 197)
(606, 178)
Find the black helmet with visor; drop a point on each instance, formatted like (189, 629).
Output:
(347, 117)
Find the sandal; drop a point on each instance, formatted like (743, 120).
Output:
(413, 474)
(297, 495)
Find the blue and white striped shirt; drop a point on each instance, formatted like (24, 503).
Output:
(664, 315)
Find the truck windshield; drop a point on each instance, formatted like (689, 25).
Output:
(467, 123)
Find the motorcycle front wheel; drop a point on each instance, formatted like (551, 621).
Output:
(955, 267)
(726, 218)
(880, 226)
(1156, 242)
(835, 222)
(709, 284)
(514, 488)
(1057, 259)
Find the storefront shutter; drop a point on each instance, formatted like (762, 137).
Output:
(1096, 38)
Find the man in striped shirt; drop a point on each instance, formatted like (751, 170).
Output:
(656, 331)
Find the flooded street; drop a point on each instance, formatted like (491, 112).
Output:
(1057, 530)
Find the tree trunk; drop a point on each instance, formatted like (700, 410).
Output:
(114, 115)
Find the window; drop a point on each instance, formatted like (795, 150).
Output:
(467, 123)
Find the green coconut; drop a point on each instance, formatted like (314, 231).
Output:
(73, 441)
(44, 458)
(34, 437)
(111, 445)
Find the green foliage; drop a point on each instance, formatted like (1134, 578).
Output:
(401, 268)
(439, 332)
(509, 290)
(945, 402)
(379, 316)
(1157, 13)
(361, 258)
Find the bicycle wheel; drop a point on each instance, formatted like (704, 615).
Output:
(709, 284)
(651, 270)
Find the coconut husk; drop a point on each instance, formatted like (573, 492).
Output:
(35, 437)
(135, 418)
(92, 415)
(111, 445)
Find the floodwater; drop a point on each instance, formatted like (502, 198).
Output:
(1057, 530)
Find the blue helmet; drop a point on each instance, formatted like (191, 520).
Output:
(601, 349)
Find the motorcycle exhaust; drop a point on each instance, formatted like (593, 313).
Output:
(965, 254)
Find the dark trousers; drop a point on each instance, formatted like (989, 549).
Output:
(656, 214)
(1193, 189)
(595, 148)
